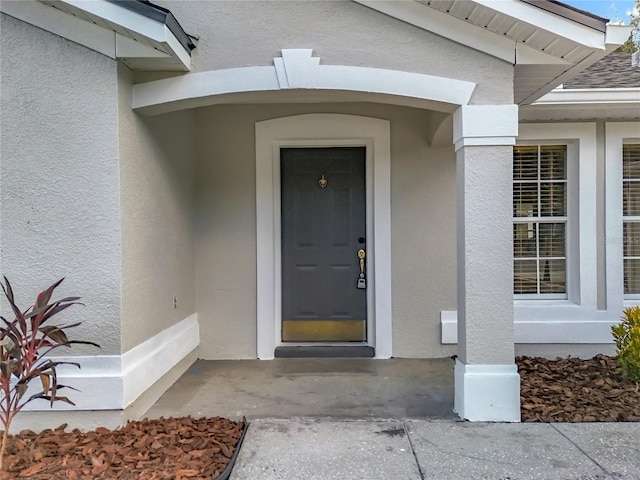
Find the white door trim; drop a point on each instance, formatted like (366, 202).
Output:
(323, 130)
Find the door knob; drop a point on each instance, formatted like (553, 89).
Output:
(362, 282)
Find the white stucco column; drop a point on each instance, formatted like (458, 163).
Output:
(487, 384)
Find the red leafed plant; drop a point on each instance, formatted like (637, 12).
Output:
(24, 344)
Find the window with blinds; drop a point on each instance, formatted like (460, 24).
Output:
(540, 220)
(631, 217)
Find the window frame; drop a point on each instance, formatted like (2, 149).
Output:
(616, 135)
(582, 243)
(628, 297)
(569, 219)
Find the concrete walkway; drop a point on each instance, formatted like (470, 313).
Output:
(365, 419)
(306, 449)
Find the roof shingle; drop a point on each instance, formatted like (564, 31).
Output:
(612, 71)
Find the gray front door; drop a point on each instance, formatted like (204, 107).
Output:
(323, 232)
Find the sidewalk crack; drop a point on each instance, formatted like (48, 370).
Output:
(581, 450)
(413, 450)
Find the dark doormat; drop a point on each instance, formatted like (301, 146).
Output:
(356, 351)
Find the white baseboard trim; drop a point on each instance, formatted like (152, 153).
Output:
(487, 393)
(539, 331)
(113, 382)
(145, 364)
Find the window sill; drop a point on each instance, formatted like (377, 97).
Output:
(545, 302)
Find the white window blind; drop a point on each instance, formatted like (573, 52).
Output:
(540, 220)
(631, 217)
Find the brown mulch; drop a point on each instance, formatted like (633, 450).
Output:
(563, 390)
(167, 448)
(576, 390)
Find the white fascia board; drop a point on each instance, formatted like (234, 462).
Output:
(465, 33)
(59, 23)
(177, 50)
(617, 34)
(590, 96)
(153, 30)
(127, 19)
(547, 21)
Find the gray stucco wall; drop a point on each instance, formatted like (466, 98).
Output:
(156, 194)
(239, 34)
(423, 227)
(59, 177)
(156, 166)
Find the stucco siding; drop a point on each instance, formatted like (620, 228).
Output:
(236, 34)
(225, 229)
(422, 213)
(423, 240)
(59, 177)
(156, 191)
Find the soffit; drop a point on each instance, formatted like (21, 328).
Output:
(518, 30)
(546, 41)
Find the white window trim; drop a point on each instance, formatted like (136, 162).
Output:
(581, 302)
(568, 220)
(567, 322)
(617, 134)
(323, 130)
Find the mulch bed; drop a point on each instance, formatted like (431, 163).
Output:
(576, 390)
(563, 390)
(166, 448)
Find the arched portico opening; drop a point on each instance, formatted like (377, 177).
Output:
(297, 78)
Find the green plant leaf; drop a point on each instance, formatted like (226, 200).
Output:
(56, 308)
(44, 297)
(6, 367)
(10, 330)
(626, 335)
(24, 342)
(50, 364)
(55, 333)
(49, 398)
(20, 389)
(8, 292)
(7, 342)
(82, 342)
(46, 383)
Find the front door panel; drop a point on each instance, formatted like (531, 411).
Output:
(323, 228)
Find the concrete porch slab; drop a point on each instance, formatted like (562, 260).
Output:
(301, 387)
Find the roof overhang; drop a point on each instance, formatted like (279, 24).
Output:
(142, 35)
(546, 41)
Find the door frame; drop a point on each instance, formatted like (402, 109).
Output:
(323, 130)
